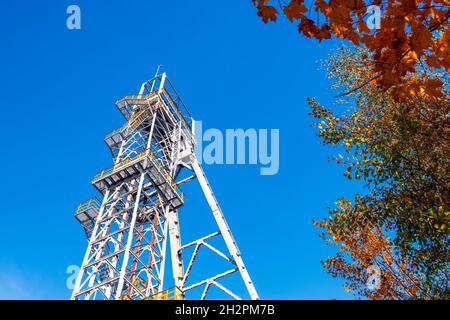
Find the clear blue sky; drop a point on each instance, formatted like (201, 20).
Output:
(57, 91)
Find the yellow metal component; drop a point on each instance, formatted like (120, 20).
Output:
(132, 123)
(125, 162)
(140, 283)
(140, 155)
(88, 204)
(118, 166)
(138, 96)
(137, 114)
(173, 293)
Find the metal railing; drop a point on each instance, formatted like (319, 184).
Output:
(166, 175)
(138, 157)
(173, 293)
(131, 124)
(118, 166)
(116, 131)
(127, 125)
(136, 97)
(92, 203)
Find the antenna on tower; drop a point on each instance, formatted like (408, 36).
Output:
(141, 91)
(157, 69)
(155, 77)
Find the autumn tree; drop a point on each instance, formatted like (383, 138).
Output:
(401, 151)
(412, 34)
(367, 259)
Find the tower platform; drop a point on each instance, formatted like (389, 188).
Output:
(86, 214)
(144, 162)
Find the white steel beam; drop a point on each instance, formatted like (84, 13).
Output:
(223, 227)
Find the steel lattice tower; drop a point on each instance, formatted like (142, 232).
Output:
(128, 231)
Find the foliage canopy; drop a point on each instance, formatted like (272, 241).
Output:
(413, 33)
(401, 150)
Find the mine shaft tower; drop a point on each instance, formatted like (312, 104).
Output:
(128, 231)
